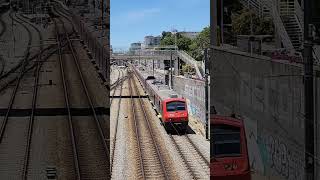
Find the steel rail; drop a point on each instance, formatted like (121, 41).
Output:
(67, 103)
(26, 70)
(98, 125)
(33, 106)
(183, 157)
(18, 65)
(117, 78)
(180, 152)
(117, 124)
(151, 132)
(114, 91)
(198, 151)
(193, 145)
(13, 95)
(119, 82)
(136, 129)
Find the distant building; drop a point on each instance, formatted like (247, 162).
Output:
(191, 35)
(135, 46)
(150, 41)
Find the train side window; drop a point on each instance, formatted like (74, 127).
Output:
(226, 141)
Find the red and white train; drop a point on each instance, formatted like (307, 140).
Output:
(172, 109)
(228, 152)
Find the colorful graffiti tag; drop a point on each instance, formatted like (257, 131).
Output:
(281, 158)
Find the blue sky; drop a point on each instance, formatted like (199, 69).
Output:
(131, 20)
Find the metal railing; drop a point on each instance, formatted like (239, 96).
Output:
(256, 5)
(299, 13)
(271, 4)
(286, 8)
(192, 61)
(316, 54)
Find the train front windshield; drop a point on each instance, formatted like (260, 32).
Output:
(226, 141)
(176, 106)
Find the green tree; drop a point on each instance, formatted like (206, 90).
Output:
(241, 24)
(193, 47)
(183, 43)
(201, 42)
(187, 68)
(167, 40)
(165, 34)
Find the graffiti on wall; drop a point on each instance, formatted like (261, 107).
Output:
(195, 95)
(195, 111)
(281, 158)
(194, 92)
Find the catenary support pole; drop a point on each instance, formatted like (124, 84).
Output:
(308, 94)
(206, 93)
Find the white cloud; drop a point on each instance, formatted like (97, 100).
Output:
(141, 14)
(137, 15)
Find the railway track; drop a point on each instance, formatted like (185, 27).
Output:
(13, 95)
(116, 85)
(9, 77)
(114, 140)
(8, 125)
(23, 63)
(151, 161)
(38, 65)
(89, 147)
(120, 80)
(120, 74)
(195, 162)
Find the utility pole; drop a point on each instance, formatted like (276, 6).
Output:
(171, 70)
(221, 22)
(153, 67)
(308, 94)
(206, 93)
(213, 43)
(139, 57)
(213, 22)
(102, 30)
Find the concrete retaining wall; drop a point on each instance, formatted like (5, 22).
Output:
(269, 96)
(194, 92)
(100, 53)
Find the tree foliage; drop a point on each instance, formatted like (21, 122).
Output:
(194, 47)
(167, 40)
(241, 24)
(230, 7)
(187, 68)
